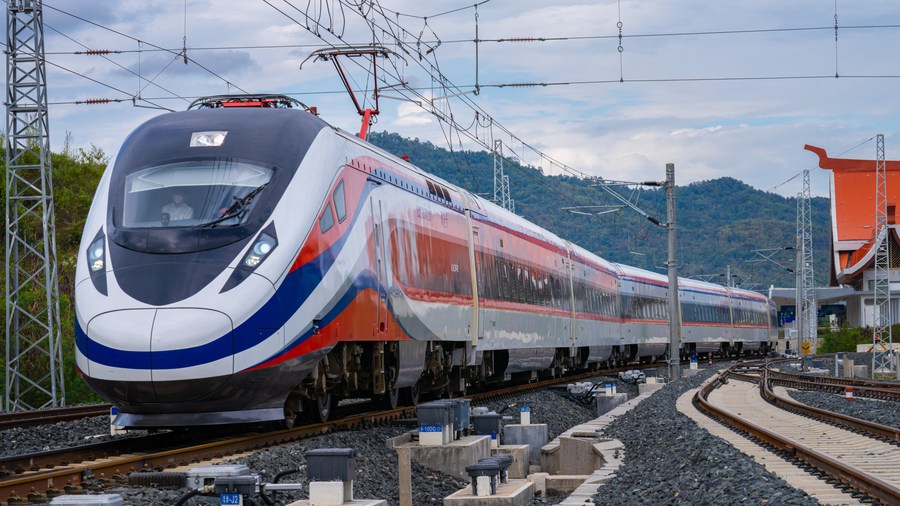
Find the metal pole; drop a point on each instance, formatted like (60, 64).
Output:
(798, 312)
(674, 308)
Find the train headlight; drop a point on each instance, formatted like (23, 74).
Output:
(97, 255)
(208, 139)
(264, 244)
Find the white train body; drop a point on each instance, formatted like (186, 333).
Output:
(314, 266)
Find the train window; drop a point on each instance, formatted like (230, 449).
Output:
(340, 203)
(327, 220)
(193, 192)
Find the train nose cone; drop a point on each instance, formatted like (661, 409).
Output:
(160, 355)
(190, 345)
(118, 354)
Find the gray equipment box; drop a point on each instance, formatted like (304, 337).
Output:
(331, 464)
(244, 485)
(434, 413)
(201, 476)
(486, 425)
(484, 467)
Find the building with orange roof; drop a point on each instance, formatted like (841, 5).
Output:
(853, 242)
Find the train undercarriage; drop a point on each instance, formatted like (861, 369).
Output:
(390, 373)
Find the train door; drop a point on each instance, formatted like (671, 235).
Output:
(480, 275)
(378, 240)
(474, 241)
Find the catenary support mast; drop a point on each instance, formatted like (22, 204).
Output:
(881, 335)
(806, 288)
(34, 371)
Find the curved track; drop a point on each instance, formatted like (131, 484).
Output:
(883, 390)
(858, 454)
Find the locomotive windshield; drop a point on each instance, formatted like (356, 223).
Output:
(193, 193)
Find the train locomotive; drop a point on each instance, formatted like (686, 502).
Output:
(243, 261)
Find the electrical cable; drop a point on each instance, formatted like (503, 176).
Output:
(126, 69)
(117, 32)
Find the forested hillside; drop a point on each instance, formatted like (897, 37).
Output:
(720, 222)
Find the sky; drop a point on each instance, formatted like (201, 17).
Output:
(717, 88)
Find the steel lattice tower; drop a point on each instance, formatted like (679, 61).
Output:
(34, 372)
(806, 289)
(501, 181)
(881, 335)
(498, 172)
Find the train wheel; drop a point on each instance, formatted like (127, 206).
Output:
(391, 398)
(410, 395)
(321, 407)
(290, 418)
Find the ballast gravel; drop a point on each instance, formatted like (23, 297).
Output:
(883, 412)
(670, 460)
(18, 441)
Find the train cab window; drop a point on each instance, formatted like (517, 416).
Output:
(327, 220)
(340, 202)
(192, 193)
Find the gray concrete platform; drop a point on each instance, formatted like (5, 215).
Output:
(607, 455)
(649, 388)
(519, 453)
(451, 458)
(534, 435)
(511, 493)
(606, 403)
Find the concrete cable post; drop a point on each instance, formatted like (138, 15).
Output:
(674, 308)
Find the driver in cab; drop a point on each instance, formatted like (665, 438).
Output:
(177, 209)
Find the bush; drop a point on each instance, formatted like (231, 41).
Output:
(846, 339)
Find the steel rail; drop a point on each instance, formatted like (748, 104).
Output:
(891, 434)
(868, 484)
(45, 416)
(827, 385)
(834, 380)
(861, 388)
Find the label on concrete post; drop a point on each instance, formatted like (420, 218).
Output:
(431, 435)
(525, 415)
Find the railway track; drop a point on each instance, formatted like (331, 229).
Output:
(882, 390)
(45, 416)
(71, 470)
(856, 454)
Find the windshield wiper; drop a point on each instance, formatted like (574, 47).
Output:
(237, 208)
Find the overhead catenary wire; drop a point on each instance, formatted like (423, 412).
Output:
(393, 28)
(126, 69)
(515, 40)
(122, 34)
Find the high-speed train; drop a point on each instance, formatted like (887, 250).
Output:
(244, 261)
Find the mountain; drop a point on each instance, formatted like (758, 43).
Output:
(721, 222)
